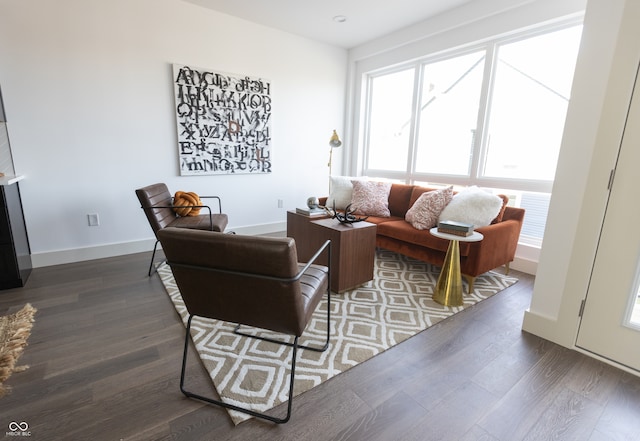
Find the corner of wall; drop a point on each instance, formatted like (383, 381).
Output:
(525, 265)
(547, 328)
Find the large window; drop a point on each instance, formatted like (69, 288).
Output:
(448, 114)
(528, 105)
(390, 115)
(492, 116)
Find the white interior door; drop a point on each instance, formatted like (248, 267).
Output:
(609, 326)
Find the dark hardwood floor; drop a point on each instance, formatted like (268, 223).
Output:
(105, 357)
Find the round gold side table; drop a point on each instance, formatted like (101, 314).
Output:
(448, 290)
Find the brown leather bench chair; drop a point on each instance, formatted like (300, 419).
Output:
(248, 280)
(157, 203)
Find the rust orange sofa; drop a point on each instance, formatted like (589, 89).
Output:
(497, 248)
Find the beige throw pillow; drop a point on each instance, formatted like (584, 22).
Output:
(424, 213)
(371, 198)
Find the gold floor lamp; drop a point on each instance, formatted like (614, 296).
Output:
(334, 143)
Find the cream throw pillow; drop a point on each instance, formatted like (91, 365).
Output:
(472, 206)
(424, 212)
(341, 191)
(371, 198)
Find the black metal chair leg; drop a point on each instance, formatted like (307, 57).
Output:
(153, 256)
(231, 406)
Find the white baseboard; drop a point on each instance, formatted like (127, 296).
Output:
(549, 328)
(524, 265)
(254, 230)
(119, 249)
(537, 324)
(60, 257)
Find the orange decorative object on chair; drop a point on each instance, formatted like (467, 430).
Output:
(187, 203)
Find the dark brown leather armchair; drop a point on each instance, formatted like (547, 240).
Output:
(157, 203)
(248, 280)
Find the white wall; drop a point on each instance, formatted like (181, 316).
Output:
(595, 121)
(87, 86)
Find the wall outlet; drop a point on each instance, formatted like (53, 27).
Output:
(280, 203)
(94, 219)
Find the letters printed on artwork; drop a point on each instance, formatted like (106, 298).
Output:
(223, 122)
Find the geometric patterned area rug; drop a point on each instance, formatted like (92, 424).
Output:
(365, 321)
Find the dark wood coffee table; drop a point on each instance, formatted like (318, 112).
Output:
(353, 247)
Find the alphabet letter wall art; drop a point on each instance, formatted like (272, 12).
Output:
(224, 122)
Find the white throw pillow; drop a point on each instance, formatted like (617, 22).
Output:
(472, 206)
(371, 198)
(424, 212)
(341, 191)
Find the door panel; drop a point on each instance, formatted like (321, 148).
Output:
(606, 328)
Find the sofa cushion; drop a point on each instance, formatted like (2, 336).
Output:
(473, 206)
(424, 213)
(371, 198)
(403, 231)
(378, 220)
(399, 199)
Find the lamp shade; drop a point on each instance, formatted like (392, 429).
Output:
(334, 141)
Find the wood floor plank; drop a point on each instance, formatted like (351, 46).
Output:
(621, 417)
(454, 417)
(593, 379)
(506, 370)
(106, 348)
(386, 421)
(522, 405)
(569, 417)
(476, 433)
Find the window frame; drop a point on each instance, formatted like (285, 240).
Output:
(479, 148)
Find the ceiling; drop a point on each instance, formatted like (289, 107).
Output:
(365, 19)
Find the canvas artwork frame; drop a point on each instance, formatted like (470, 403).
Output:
(223, 122)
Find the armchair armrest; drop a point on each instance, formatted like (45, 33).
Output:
(326, 244)
(175, 215)
(497, 248)
(154, 207)
(214, 197)
(191, 206)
